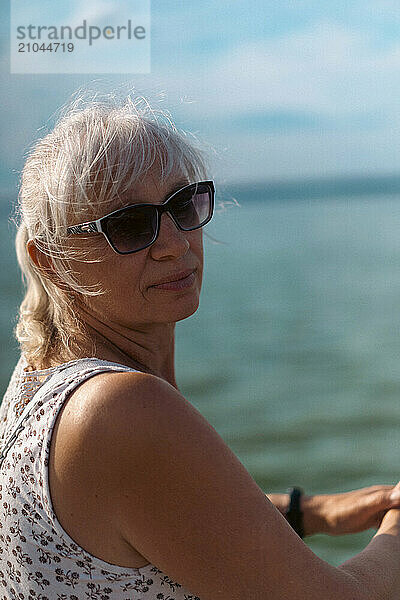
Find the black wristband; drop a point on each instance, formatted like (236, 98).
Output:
(294, 514)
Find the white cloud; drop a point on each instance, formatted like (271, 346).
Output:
(95, 11)
(326, 68)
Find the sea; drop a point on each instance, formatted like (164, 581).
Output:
(294, 353)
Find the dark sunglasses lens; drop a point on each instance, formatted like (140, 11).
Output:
(192, 207)
(132, 229)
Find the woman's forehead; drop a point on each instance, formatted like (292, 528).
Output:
(153, 191)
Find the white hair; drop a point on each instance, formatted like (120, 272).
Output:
(98, 148)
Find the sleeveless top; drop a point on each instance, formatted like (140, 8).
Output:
(38, 559)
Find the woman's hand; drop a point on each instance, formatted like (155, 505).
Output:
(343, 513)
(355, 511)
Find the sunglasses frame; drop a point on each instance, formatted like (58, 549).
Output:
(97, 225)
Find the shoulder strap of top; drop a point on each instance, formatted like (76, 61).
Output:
(59, 378)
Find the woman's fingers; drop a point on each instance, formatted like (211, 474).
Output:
(395, 494)
(382, 495)
(360, 509)
(389, 496)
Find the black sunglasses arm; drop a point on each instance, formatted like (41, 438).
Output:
(89, 227)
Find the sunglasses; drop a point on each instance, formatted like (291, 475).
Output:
(136, 227)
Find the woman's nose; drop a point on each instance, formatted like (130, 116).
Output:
(171, 241)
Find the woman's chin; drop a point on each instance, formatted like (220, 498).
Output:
(189, 313)
(183, 309)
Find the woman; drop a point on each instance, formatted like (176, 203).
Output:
(112, 484)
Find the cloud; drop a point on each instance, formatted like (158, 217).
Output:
(325, 68)
(319, 98)
(94, 11)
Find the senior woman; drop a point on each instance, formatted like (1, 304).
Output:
(112, 484)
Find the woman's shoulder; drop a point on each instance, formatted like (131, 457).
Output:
(114, 400)
(122, 420)
(111, 402)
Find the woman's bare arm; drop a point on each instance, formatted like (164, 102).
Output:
(185, 502)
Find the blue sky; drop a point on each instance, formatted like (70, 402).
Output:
(275, 90)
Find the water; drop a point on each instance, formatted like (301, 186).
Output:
(293, 355)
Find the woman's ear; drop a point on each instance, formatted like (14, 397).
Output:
(45, 266)
(40, 260)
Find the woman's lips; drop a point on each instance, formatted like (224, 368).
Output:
(180, 284)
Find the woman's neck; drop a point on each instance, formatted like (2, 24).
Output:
(147, 347)
(144, 353)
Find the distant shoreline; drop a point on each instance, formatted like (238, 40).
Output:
(323, 187)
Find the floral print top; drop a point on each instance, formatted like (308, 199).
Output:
(38, 559)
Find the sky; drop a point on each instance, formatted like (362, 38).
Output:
(274, 90)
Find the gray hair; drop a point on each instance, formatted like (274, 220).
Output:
(97, 149)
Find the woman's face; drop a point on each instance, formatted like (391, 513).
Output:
(131, 297)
